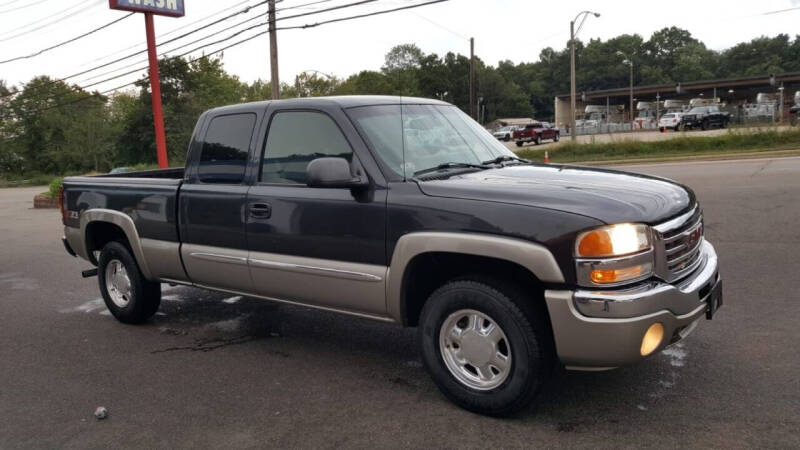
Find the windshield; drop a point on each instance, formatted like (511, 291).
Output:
(411, 138)
(668, 116)
(697, 110)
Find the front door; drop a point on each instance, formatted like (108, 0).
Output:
(212, 204)
(318, 246)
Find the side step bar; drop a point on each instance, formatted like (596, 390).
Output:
(89, 273)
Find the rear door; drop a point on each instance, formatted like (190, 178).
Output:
(212, 202)
(317, 246)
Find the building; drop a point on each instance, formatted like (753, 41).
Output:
(739, 96)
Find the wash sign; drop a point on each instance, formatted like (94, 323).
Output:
(172, 8)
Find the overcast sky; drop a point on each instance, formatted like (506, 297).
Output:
(503, 29)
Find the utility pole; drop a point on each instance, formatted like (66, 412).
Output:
(472, 109)
(632, 118)
(572, 34)
(273, 52)
(572, 80)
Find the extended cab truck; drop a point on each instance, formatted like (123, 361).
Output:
(406, 211)
(536, 133)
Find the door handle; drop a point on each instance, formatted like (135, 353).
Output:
(260, 210)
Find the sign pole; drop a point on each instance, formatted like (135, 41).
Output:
(155, 89)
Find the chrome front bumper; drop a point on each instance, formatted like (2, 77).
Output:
(597, 330)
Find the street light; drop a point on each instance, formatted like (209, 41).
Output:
(629, 62)
(572, 34)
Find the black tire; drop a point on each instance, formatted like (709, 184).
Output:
(519, 143)
(530, 343)
(556, 138)
(507, 138)
(538, 140)
(704, 125)
(144, 297)
(724, 124)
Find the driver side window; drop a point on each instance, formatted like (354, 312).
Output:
(295, 139)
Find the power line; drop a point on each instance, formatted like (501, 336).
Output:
(173, 31)
(245, 10)
(18, 7)
(263, 33)
(69, 41)
(780, 11)
(55, 20)
(360, 16)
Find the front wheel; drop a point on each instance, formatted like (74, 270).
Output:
(556, 138)
(483, 351)
(127, 294)
(538, 140)
(519, 143)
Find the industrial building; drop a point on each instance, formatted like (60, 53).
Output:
(762, 99)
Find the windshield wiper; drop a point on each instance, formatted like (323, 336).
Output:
(503, 158)
(451, 165)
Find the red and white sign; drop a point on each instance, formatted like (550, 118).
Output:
(173, 8)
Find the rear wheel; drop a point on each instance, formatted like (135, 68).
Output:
(704, 125)
(127, 294)
(485, 353)
(538, 140)
(556, 138)
(519, 143)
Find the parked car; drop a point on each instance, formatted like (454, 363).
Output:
(704, 117)
(504, 266)
(669, 120)
(536, 133)
(504, 133)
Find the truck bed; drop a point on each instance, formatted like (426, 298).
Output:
(149, 198)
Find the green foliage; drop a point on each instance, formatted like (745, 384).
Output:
(55, 185)
(731, 142)
(47, 126)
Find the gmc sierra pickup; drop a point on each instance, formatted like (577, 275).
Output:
(406, 211)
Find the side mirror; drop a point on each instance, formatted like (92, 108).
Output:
(330, 172)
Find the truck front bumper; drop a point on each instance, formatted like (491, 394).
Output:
(596, 330)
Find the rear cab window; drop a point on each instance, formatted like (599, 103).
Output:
(223, 157)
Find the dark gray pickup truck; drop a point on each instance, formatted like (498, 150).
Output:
(406, 211)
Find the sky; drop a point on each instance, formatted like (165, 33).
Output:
(515, 30)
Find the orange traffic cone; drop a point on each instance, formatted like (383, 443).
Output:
(546, 157)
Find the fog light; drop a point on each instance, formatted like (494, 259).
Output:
(652, 338)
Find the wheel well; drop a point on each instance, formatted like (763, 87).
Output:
(428, 271)
(98, 234)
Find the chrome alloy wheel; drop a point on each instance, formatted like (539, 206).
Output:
(475, 349)
(118, 284)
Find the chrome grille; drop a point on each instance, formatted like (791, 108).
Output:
(680, 242)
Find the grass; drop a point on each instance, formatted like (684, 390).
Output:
(22, 180)
(686, 145)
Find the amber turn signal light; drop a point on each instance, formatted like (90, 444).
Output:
(614, 275)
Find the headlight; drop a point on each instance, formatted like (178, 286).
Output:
(614, 255)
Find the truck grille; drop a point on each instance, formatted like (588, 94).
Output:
(681, 244)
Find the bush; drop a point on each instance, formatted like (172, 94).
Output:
(54, 186)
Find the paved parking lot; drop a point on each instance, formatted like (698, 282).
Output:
(214, 370)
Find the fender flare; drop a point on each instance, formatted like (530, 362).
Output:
(534, 257)
(125, 223)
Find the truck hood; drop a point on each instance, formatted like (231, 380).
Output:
(609, 196)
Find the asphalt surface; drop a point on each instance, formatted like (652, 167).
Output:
(212, 370)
